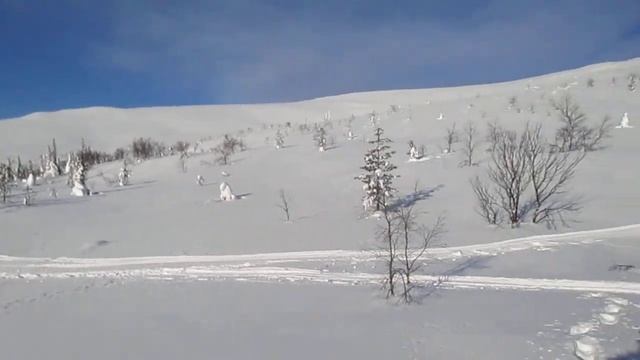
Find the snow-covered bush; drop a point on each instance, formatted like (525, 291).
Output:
(225, 192)
(414, 153)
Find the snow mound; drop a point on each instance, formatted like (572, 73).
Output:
(587, 348)
(608, 319)
(581, 328)
(618, 301)
(612, 309)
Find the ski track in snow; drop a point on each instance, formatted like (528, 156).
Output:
(255, 266)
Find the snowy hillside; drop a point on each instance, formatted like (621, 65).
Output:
(139, 260)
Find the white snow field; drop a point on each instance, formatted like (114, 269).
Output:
(162, 268)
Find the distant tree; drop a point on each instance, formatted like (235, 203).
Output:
(320, 138)
(125, 173)
(451, 138)
(284, 204)
(549, 173)
(508, 172)
(387, 234)
(5, 181)
(487, 203)
(378, 176)
(469, 143)
(279, 140)
(574, 133)
(413, 242)
(28, 196)
(633, 82)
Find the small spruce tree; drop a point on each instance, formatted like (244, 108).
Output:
(378, 179)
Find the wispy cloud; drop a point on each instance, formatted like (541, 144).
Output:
(265, 51)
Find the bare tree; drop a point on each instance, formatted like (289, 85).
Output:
(182, 161)
(487, 206)
(549, 173)
(575, 134)
(388, 235)
(573, 122)
(633, 82)
(451, 137)
(469, 143)
(412, 249)
(494, 131)
(508, 172)
(284, 204)
(592, 137)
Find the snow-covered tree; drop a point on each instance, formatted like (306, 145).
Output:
(67, 167)
(31, 180)
(378, 179)
(413, 153)
(123, 176)
(279, 140)
(320, 139)
(225, 192)
(80, 178)
(53, 166)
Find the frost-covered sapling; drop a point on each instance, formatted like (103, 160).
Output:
(124, 174)
(284, 204)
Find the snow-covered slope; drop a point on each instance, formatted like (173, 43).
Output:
(163, 212)
(132, 260)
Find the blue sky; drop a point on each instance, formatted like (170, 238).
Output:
(127, 53)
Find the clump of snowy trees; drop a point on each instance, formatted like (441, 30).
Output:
(229, 146)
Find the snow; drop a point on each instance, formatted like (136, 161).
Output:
(161, 269)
